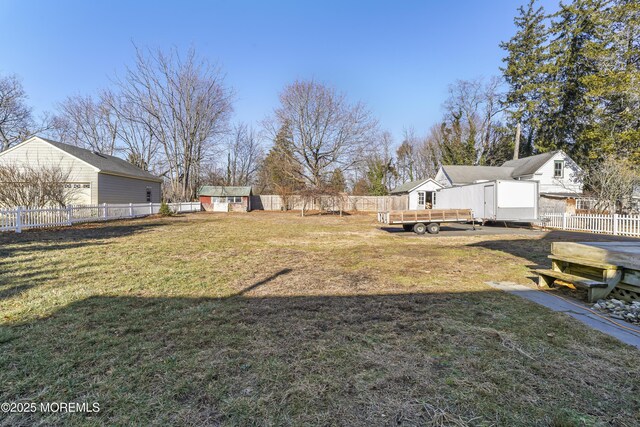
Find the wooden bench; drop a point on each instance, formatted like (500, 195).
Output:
(582, 261)
(608, 275)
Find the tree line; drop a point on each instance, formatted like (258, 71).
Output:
(570, 80)
(574, 79)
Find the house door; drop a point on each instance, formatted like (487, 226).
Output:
(489, 202)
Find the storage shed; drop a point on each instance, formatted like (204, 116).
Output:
(421, 193)
(222, 198)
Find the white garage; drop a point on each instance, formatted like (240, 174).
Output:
(93, 177)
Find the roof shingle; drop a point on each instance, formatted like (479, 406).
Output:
(529, 165)
(462, 174)
(105, 163)
(408, 186)
(223, 190)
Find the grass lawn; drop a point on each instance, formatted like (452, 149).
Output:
(273, 319)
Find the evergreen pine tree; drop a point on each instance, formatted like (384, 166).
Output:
(577, 28)
(523, 71)
(614, 89)
(280, 171)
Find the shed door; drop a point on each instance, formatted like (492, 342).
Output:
(489, 202)
(220, 206)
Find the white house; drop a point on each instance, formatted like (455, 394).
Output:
(557, 174)
(422, 193)
(93, 177)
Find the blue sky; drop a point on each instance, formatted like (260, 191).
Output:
(396, 56)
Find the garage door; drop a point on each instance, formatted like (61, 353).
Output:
(79, 193)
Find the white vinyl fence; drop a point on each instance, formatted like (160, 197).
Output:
(619, 225)
(18, 219)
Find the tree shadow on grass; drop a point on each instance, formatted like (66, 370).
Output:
(12, 286)
(314, 360)
(12, 291)
(14, 280)
(34, 241)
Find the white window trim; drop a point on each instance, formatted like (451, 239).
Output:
(561, 163)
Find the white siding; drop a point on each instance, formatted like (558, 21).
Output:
(429, 185)
(441, 178)
(569, 183)
(38, 152)
(119, 189)
(508, 200)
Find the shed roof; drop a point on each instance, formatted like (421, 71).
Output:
(224, 190)
(529, 165)
(459, 174)
(408, 186)
(103, 162)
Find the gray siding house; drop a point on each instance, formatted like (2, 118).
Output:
(94, 177)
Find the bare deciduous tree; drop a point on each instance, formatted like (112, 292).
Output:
(34, 186)
(406, 156)
(470, 119)
(186, 105)
(134, 131)
(419, 157)
(16, 121)
(327, 132)
(612, 183)
(87, 123)
(244, 156)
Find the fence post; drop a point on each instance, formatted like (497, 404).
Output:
(104, 211)
(615, 224)
(150, 208)
(19, 220)
(69, 215)
(130, 210)
(564, 220)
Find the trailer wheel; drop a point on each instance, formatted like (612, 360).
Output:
(407, 227)
(433, 228)
(419, 228)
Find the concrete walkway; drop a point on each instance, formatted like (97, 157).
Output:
(582, 314)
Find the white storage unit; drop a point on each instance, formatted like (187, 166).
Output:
(500, 200)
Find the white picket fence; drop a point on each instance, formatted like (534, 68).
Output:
(18, 219)
(618, 225)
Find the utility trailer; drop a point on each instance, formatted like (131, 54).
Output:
(425, 220)
(499, 200)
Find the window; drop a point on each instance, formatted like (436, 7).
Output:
(558, 169)
(148, 194)
(433, 199)
(420, 198)
(227, 199)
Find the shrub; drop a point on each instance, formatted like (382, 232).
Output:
(165, 210)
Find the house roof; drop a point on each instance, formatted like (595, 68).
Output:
(553, 195)
(529, 165)
(408, 186)
(223, 190)
(459, 174)
(103, 162)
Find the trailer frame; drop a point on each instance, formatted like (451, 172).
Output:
(426, 220)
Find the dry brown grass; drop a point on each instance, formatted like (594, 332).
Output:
(273, 319)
